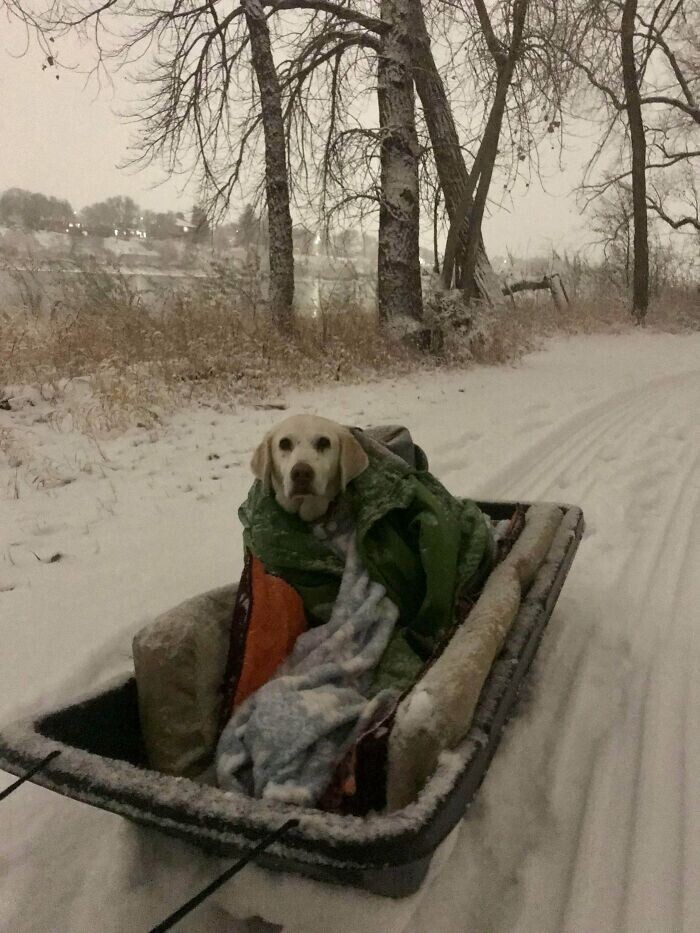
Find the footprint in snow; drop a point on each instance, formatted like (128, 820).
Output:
(22, 555)
(43, 530)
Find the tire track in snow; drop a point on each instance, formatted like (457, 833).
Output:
(576, 466)
(691, 840)
(640, 742)
(608, 780)
(685, 614)
(586, 426)
(650, 698)
(653, 892)
(602, 419)
(591, 899)
(659, 539)
(567, 664)
(655, 823)
(578, 428)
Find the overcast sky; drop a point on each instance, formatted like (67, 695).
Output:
(62, 139)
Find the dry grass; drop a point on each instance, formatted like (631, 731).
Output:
(677, 311)
(133, 366)
(531, 319)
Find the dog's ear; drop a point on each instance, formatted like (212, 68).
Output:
(261, 464)
(353, 459)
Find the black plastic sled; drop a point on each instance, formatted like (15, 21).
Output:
(100, 761)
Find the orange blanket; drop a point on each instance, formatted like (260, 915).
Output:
(276, 618)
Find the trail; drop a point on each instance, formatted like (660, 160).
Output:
(589, 819)
(617, 848)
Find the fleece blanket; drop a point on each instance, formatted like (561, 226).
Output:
(286, 739)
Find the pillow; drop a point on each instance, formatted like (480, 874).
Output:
(180, 659)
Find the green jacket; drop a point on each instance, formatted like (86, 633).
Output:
(421, 543)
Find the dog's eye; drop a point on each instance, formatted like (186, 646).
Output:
(286, 444)
(323, 443)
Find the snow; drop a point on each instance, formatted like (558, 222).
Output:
(419, 710)
(589, 818)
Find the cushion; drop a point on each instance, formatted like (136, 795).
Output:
(437, 713)
(179, 660)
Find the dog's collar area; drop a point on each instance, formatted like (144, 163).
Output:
(328, 514)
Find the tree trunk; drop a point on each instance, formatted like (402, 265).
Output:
(471, 214)
(436, 215)
(398, 271)
(640, 288)
(281, 248)
(489, 149)
(551, 283)
(449, 161)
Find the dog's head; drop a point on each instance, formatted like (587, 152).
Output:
(307, 461)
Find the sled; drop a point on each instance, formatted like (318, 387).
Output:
(92, 751)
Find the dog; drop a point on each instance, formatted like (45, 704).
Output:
(307, 461)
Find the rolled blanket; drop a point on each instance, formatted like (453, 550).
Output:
(286, 739)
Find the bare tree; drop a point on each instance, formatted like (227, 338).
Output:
(675, 198)
(473, 201)
(639, 55)
(338, 55)
(513, 51)
(670, 67)
(281, 245)
(613, 222)
(398, 267)
(212, 99)
(633, 106)
(349, 151)
(447, 152)
(613, 226)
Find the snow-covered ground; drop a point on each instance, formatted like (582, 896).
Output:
(589, 819)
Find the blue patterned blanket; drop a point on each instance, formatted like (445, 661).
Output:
(285, 741)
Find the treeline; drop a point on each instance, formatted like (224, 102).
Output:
(123, 217)
(115, 216)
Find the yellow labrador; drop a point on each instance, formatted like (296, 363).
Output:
(307, 461)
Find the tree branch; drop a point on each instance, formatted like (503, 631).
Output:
(691, 111)
(335, 9)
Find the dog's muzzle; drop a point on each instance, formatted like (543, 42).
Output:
(302, 476)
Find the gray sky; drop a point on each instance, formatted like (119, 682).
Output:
(65, 140)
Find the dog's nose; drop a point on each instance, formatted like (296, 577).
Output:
(302, 475)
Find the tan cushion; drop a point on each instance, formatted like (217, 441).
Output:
(180, 660)
(439, 710)
(437, 713)
(541, 523)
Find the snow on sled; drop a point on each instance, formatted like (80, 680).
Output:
(414, 781)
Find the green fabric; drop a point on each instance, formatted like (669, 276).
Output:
(423, 544)
(400, 665)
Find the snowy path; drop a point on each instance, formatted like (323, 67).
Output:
(590, 817)
(601, 826)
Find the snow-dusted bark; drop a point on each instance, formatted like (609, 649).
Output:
(281, 247)
(398, 272)
(449, 161)
(470, 210)
(640, 298)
